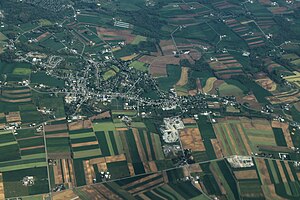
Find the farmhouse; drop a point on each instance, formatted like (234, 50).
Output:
(240, 161)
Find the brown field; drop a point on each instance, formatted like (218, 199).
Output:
(85, 144)
(65, 194)
(115, 34)
(285, 130)
(195, 55)
(103, 115)
(115, 158)
(267, 84)
(42, 36)
(249, 99)
(81, 124)
(140, 148)
(158, 67)
(217, 148)
(290, 99)
(152, 166)
(66, 173)
(191, 139)
(147, 59)
(1, 187)
(192, 92)
(122, 129)
(146, 167)
(216, 85)
(89, 172)
(263, 171)
(183, 77)
(193, 168)
(13, 117)
(130, 57)
(58, 178)
(57, 127)
(256, 43)
(35, 147)
(189, 121)
(209, 85)
(97, 160)
(131, 169)
(167, 47)
(116, 49)
(246, 174)
(102, 167)
(229, 73)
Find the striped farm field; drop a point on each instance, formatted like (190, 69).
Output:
(84, 141)
(26, 162)
(241, 136)
(104, 126)
(230, 139)
(9, 148)
(87, 153)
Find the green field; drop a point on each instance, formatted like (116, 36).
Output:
(138, 39)
(230, 90)
(107, 75)
(14, 188)
(22, 71)
(2, 37)
(139, 66)
(87, 153)
(166, 83)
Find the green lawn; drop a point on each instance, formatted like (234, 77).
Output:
(228, 89)
(139, 66)
(22, 71)
(2, 37)
(138, 39)
(107, 75)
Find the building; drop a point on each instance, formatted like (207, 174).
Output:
(170, 129)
